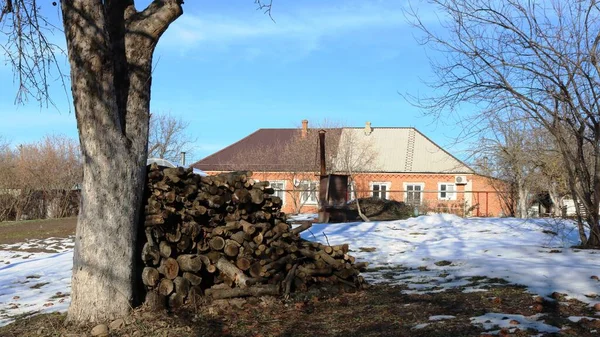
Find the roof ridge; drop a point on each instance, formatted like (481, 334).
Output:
(379, 127)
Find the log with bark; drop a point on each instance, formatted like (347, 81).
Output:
(225, 236)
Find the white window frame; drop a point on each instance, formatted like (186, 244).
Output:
(421, 185)
(282, 190)
(387, 185)
(449, 195)
(305, 195)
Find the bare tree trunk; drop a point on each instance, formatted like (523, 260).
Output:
(594, 236)
(110, 49)
(557, 201)
(523, 201)
(360, 213)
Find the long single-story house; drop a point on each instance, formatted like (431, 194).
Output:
(398, 163)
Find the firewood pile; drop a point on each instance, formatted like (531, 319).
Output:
(225, 236)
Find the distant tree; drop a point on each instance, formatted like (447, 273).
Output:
(301, 156)
(296, 161)
(168, 137)
(539, 58)
(509, 156)
(38, 178)
(355, 155)
(4, 143)
(523, 164)
(7, 202)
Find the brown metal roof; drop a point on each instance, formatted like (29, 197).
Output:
(270, 150)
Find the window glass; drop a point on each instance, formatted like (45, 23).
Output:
(308, 192)
(379, 190)
(413, 194)
(279, 187)
(447, 191)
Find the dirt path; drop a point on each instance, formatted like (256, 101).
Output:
(20, 231)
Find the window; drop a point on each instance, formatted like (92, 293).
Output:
(380, 190)
(351, 192)
(279, 187)
(414, 193)
(446, 191)
(308, 192)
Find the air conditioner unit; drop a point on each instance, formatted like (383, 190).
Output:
(460, 180)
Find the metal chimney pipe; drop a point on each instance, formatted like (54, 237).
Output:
(322, 151)
(182, 159)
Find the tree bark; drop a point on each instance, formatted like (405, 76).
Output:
(258, 290)
(110, 47)
(522, 201)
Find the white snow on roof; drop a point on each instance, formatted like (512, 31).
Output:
(199, 172)
(160, 162)
(166, 163)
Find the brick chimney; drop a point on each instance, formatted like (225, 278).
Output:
(304, 128)
(368, 128)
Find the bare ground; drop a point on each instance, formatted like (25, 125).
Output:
(377, 311)
(380, 310)
(21, 231)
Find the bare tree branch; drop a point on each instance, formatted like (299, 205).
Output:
(168, 137)
(538, 58)
(30, 53)
(266, 7)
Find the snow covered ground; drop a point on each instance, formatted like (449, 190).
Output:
(445, 250)
(35, 282)
(428, 254)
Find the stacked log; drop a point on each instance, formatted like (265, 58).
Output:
(225, 236)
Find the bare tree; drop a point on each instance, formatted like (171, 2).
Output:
(523, 164)
(168, 137)
(509, 156)
(301, 155)
(4, 144)
(7, 199)
(37, 179)
(537, 57)
(295, 159)
(110, 47)
(551, 176)
(354, 155)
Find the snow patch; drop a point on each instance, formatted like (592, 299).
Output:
(441, 317)
(497, 320)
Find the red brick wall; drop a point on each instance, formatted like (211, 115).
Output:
(477, 198)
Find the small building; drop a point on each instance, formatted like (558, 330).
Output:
(398, 163)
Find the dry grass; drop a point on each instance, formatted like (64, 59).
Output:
(21, 231)
(378, 311)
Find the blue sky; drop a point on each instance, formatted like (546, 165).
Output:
(228, 69)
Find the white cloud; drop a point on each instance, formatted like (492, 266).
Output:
(303, 28)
